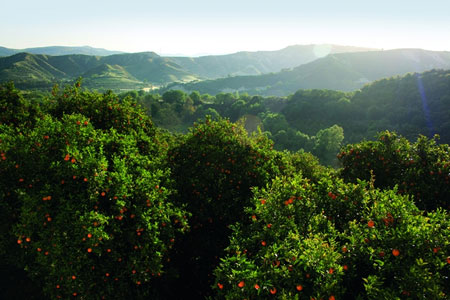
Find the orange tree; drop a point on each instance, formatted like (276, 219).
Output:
(15, 113)
(214, 168)
(14, 109)
(89, 194)
(420, 169)
(335, 240)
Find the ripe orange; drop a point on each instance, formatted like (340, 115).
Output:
(371, 224)
(273, 291)
(256, 286)
(299, 287)
(395, 252)
(241, 284)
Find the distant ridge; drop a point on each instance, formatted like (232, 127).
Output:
(59, 50)
(147, 69)
(277, 73)
(340, 71)
(260, 62)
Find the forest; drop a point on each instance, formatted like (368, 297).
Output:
(318, 195)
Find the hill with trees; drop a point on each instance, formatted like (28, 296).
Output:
(319, 121)
(42, 71)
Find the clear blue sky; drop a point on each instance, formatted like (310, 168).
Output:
(198, 26)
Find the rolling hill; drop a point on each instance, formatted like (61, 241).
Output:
(260, 62)
(125, 71)
(341, 71)
(302, 67)
(147, 68)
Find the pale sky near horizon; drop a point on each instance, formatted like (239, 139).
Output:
(216, 27)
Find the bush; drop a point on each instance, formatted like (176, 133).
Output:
(89, 202)
(421, 169)
(214, 168)
(333, 240)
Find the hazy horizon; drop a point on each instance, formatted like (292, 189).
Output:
(202, 27)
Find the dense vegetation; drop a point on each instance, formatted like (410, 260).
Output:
(97, 202)
(319, 121)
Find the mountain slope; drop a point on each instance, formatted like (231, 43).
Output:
(30, 70)
(344, 71)
(260, 62)
(107, 76)
(150, 67)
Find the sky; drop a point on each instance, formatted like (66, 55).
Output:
(198, 27)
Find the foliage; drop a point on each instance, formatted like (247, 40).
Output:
(333, 240)
(214, 167)
(420, 169)
(88, 194)
(98, 202)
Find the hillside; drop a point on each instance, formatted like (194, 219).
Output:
(131, 71)
(338, 71)
(412, 104)
(260, 62)
(148, 68)
(343, 71)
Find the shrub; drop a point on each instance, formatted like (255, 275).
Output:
(90, 203)
(214, 168)
(421, 169)
(335, 240)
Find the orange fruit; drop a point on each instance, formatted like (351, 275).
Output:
(395, 252)
(241, 284)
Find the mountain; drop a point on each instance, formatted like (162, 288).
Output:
(340, 71)
(302, 67)
(147, 68)
(120, 71)
(59, 50)
(260, 62)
